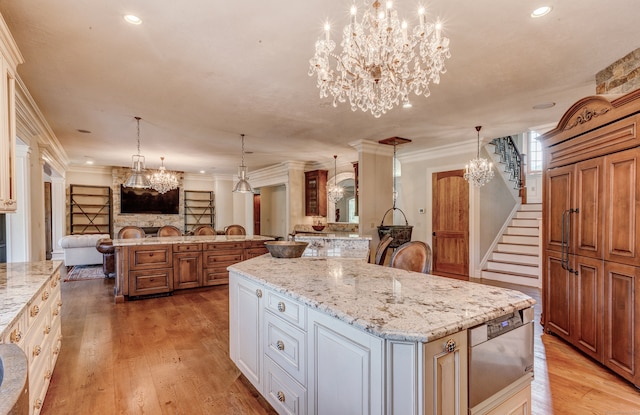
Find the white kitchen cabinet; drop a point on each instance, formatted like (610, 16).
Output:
(245, 329)
(10, 58)
(346, 365)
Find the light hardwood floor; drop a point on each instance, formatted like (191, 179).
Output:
(171, 356)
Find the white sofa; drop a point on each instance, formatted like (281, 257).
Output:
(81, 249)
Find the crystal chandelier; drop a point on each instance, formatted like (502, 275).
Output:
(335, 192)
(138, 178)
(479, 171)
(162, 180)
(243, 185)
(382, 61)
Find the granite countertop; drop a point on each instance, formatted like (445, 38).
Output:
(154, 240)
(339, 252)
(19, 283)
(331, 235)
(387, 302)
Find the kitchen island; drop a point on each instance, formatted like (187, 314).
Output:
(159, 265)
(331, 335)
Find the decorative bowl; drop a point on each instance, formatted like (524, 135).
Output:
(286, 249)
(317, 227)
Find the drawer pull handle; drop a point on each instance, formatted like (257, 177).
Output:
(281, 307)
(37, 350)
(54, 283)
(45, 295)
(280, 345)
(48, 374)
(35, 310)
(59, 303)
(56, 350)
(47, 329)
(15, 336)
(450, 346)
(259, 293)
(56, 311)
(281, 397)
(37, 404)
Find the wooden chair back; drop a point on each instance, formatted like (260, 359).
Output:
(169, 230)
(204, 230)
(412, 256)
(381, 249)
(131, 232)
(234, 230)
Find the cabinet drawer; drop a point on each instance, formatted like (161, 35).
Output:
(222, 258)
(151, 281)
(39, 304)
(17, 331)
(187, 247)
(35, 341)
(286, 345)
(148, 257)
(219, 246)
(255, 244)
(216, 276)
(254, 252)
(282, 391)
(286, 309)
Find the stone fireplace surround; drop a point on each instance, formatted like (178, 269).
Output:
(148, 222)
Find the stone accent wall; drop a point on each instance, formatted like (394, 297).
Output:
(119, 175)
(620, 77)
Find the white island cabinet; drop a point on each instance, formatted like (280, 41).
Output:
(337, 336)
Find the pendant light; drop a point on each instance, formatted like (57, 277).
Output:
(243, 185)
(138, 178)
(478, 171)
(335, 192)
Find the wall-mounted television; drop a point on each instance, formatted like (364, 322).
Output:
(148, 201)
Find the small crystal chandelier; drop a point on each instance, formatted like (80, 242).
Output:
(162, 180)
(335, 192)
(243, 185)
(382, 61)
(479, 171)
(138, 178)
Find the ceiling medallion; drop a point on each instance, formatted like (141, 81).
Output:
(382, 60)
(479, 171)
(162, 180)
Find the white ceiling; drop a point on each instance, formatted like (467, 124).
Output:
(202, 72)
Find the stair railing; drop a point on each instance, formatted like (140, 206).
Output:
(513, 160)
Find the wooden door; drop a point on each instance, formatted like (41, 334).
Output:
(558, 199)
(256, 214)
(557, 299)
(587, 221)
(622, 227)
(587, 298)
(450, 224)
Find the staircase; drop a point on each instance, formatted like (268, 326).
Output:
(516, 258)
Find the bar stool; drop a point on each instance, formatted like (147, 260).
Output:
(204, 230)
(234, 230)
(131, 232)
(412, 256)
(169, 230)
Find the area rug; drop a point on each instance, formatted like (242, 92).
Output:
(85, 272)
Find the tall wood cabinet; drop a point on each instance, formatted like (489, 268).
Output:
(591, 231)
(315, 193)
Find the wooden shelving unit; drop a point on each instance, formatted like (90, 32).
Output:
(199, 209)
(89, 209)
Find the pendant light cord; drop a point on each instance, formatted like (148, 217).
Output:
(138, 121)
(242, 135)
(478, 130)
(393, 173)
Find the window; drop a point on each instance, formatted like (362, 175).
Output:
(534, 154)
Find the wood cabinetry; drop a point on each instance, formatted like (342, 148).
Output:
(315, 193)
(254, 249)
(217, 256)
(591, 231)
(150, 270)
(187, 266)
(10, 58)
(89, 209)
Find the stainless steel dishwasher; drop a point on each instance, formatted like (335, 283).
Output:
(500, 353)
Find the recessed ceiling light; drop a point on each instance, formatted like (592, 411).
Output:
(541, 11)
(202, 171)
(133, 19)
(89, 162)
(407, 105)
(544, 105)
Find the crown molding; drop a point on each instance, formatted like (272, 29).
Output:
(440, 152)
(8, 46)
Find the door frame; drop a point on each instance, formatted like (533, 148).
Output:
(475, 270)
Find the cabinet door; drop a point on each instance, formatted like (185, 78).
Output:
(8, 202)
(557, 296)
(315, 193)
(587, 223)
(346, 373)
(445, 374)
(558, 200)
(187, 270)
(622, 317)
(587, 300)
(245, 327)
(622, 234)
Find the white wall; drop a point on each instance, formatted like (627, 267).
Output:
(273, 199)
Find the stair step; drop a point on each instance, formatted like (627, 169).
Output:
(532, 207)
(522, 230)
(524, 222)
(524, 269)
(511, 277)
(532, 259)
(518, 248)
(517, 239)
(528, 214)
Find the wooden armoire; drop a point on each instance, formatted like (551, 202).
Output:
(591, 231)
